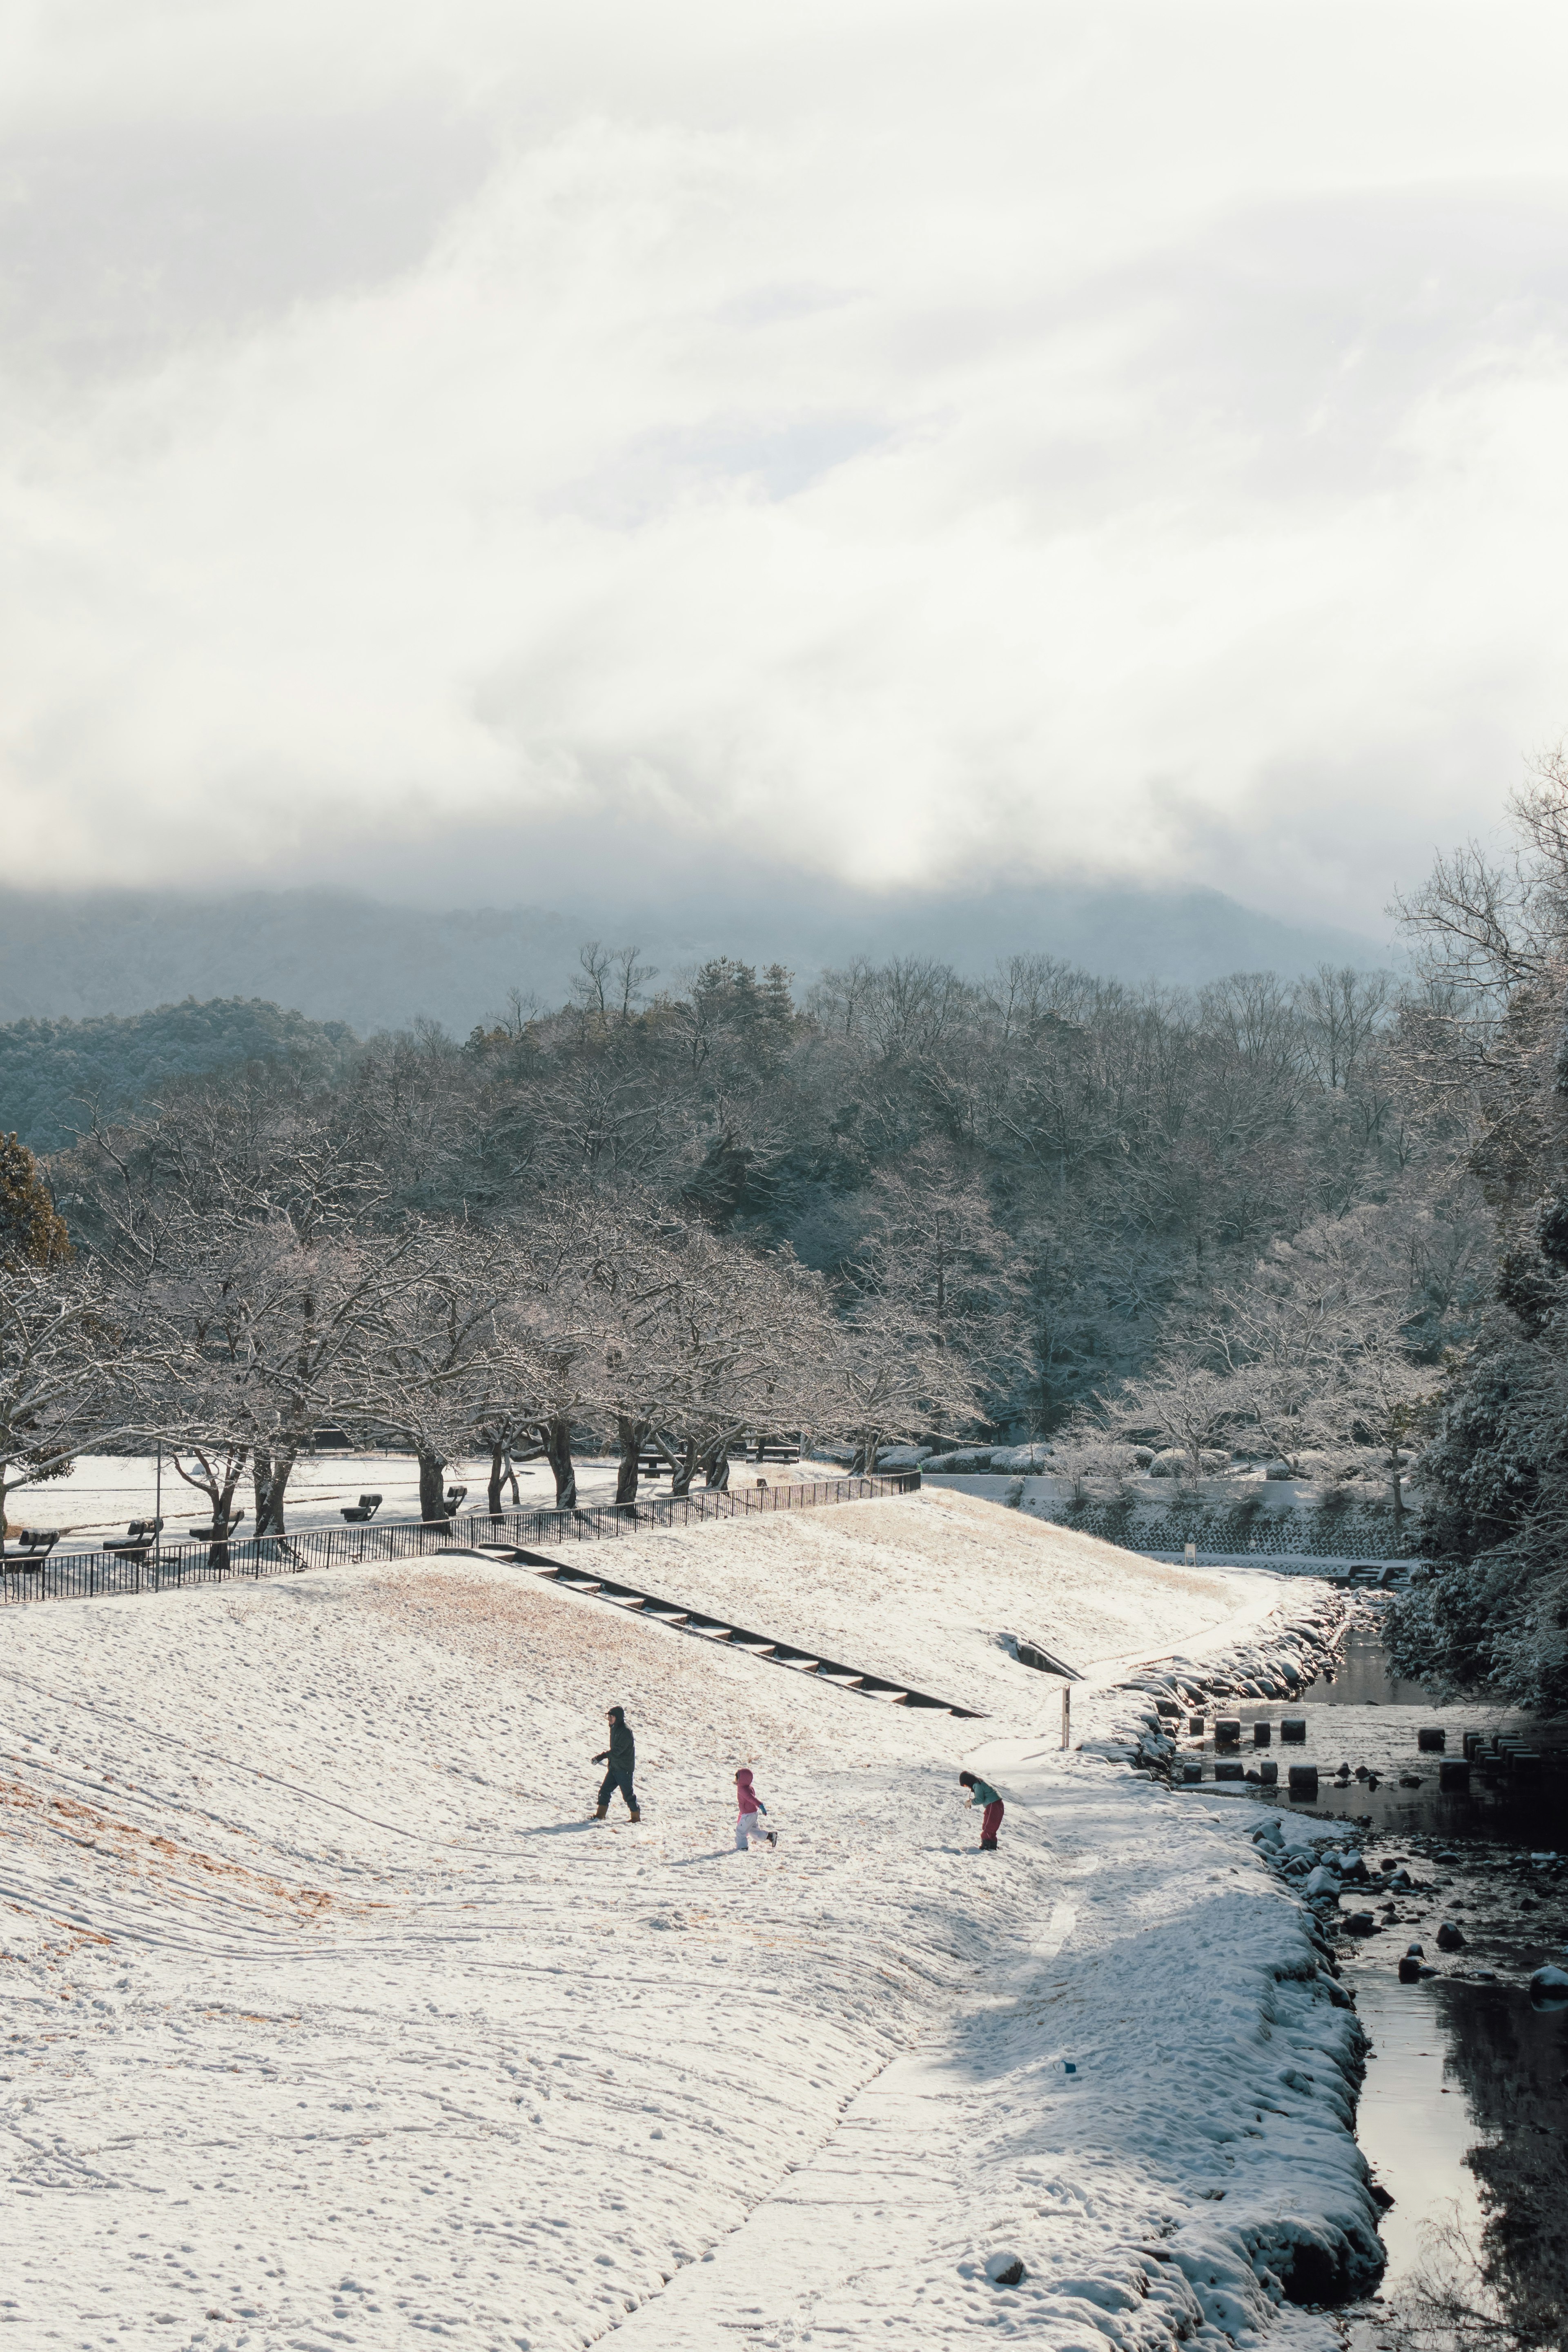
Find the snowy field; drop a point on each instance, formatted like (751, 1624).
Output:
(335, 2019)
(106, 1491)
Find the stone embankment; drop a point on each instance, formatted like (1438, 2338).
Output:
(1138, 1719)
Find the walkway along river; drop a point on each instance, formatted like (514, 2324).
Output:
(1464, 2115)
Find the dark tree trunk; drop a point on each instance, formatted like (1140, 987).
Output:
(272, 1483)
(498, 1479)
(432, 1468)
(685, 1469)
(716, 1466)
(633, 1435)
(558, 1453)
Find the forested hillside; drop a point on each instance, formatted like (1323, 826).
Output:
(53, 1074)
(1317, 1221)
(1068, 1177)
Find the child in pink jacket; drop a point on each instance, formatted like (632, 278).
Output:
(750, 1809)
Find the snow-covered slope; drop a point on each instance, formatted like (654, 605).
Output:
(936, 1587)
(335, 2020)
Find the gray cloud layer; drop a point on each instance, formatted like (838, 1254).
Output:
(921, 443)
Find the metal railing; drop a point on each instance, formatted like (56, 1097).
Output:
(92, 1575)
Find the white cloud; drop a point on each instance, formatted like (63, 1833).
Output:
(932, 440)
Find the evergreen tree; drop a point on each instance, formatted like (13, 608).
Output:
(32, 1231)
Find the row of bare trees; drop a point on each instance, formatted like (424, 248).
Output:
(234, 1301)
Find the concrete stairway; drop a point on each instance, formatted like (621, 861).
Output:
(681, 1620)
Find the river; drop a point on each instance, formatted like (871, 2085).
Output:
(1464, 2112)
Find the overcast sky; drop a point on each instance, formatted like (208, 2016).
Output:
(469, 442)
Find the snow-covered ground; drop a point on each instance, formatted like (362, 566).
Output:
(106, 1491)
(334, 2017)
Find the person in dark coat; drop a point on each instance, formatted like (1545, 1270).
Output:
(621, 1757)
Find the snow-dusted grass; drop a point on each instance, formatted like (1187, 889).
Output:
(936, 1587)
(333, 2020)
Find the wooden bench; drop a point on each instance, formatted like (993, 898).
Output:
(34, 1546)
(365, 1508)
(219, 1532)
(138, 1540)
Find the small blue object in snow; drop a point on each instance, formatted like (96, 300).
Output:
(1067, 2066)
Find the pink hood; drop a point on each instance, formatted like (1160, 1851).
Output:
(744, 1796)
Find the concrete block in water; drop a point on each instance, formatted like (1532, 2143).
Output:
(1294, 1726)
(1431, 1739)
(1227, 1731)
(1262, 1733)
(1303, 1780)
(1195, 1725)
(1190, 1772)
(1474, 1743)
(1229, 1772)
(1526, 1764)
(1268, 1773)
(1454, 1778)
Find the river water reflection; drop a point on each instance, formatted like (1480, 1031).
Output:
(1464, 2112)
(1362, 1715)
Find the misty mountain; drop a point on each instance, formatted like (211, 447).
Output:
(334, 956)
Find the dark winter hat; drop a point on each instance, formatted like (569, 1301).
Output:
(966, 1780)
(618, 1715)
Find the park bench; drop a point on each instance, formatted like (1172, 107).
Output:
(651, 1465)
(452, 1501)
(138, 1541)
(34, 1546)
(218, 1531)
(365, 1508)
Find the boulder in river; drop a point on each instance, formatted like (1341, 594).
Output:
(1449, 1938)
(1409, 1971)
(1549, 1989)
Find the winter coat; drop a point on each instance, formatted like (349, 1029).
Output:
(622, 1750)
(746, 1797)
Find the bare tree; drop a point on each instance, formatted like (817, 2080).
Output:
(431, 1359)
(72, 1366)
(886, 1379)
(280, 1337)
(1183, 1403)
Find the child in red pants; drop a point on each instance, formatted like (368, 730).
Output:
(981, 1792)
